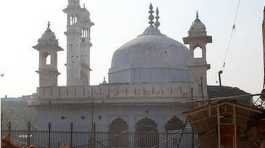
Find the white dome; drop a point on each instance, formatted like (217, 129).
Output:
(151, 57)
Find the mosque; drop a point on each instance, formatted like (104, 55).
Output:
(150, 78)
(151, 81)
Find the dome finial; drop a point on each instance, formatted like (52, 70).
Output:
(49, 24)
(197, 14)
(157, 23)
(104, 81)
(151, 16)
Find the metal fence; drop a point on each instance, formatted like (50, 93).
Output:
(80, 139)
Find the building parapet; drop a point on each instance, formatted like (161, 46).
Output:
(105, 91)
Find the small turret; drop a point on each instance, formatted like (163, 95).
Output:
(48, 47)
(197, 41)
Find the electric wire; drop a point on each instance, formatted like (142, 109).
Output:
(231, 35)
(230, 39)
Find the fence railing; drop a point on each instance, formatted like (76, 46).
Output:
(84, 139)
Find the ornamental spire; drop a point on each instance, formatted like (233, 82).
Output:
(157, 23)
(49, 24)
(151, 16)
(197, 14)
(197, 17)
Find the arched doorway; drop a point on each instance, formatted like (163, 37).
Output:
(173, 133)
(146, 134)
(174, 124)
(119, 133)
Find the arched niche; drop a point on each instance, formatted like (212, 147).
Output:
(118, 131)
(48, 59)
(174, 124)
(146, 133)
(197, 52)
(173, 129)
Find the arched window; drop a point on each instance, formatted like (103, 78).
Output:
(73, 20)
(146, 134)
(119, 133)
(84, 33)
(197, 52)
(47, 59)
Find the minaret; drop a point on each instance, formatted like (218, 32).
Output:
(48, 47)
(78, 44)
(197, 41)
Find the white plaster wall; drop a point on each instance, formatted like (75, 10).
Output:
(160, 113)
(131, 114)
(85, 60)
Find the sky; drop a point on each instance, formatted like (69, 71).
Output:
(119, 21)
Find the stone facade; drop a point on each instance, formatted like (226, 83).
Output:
(104, 114)
(151, 80)
(78, 44)
(48, 47)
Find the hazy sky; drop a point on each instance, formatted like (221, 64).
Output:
(118, 21)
